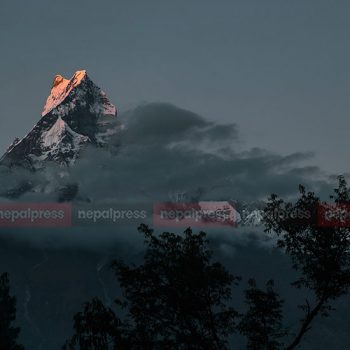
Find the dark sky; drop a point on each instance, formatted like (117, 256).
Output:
(279, 69)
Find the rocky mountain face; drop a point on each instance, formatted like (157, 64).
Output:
(77, 113)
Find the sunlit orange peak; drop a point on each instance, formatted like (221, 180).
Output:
(78, 76)
(58, 79)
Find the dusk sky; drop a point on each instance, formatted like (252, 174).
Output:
(279, 69)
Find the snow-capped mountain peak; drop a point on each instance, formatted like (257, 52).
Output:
(76, 112)
(61, 88)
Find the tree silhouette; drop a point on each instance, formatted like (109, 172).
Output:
(175, 299)
(97, 328)
(262, 323)
(8, 333)
(321, 253)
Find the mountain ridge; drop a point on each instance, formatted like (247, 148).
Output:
(79, 111)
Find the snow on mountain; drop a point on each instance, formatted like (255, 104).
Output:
(251, 213)
(61, 143)
(58, 132)
(253, 218)
(63, 88)
(77, 112)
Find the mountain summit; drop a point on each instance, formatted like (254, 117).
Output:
(76, 113)
(63, 88)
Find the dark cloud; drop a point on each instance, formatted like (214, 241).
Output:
(155, 123)
(164, 150)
